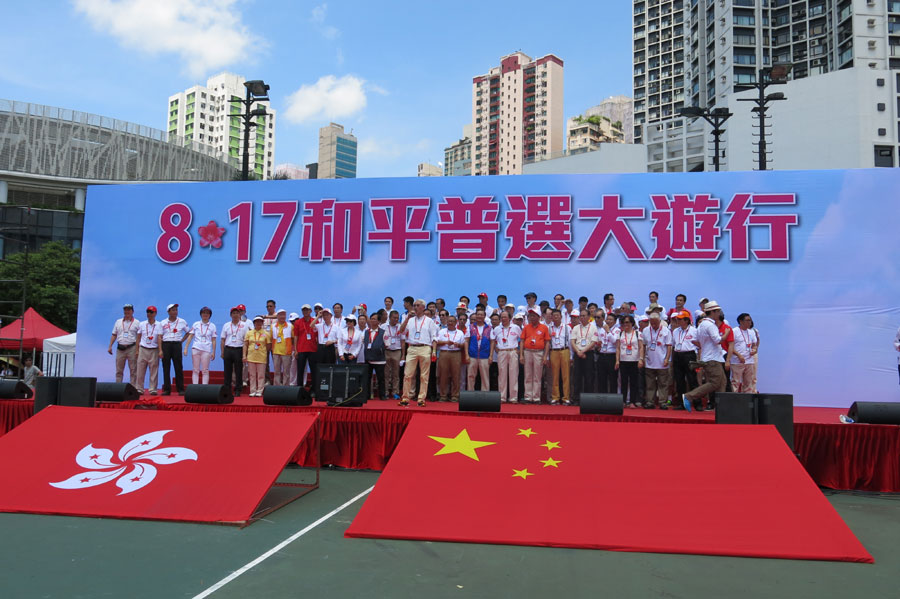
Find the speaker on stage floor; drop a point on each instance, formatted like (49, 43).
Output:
(208, 394)
(344, 385)
(10, 389)
(77, 391)
(479, 401)
(46, 392)
(735, 408)
(601, 403)
(777, 409)
(874, 412)
(286, 395)
(116, 392)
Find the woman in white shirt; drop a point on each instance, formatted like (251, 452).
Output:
(203, 334)
(628, 362)
(350, 341)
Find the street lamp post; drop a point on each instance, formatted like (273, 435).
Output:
(776, 75)
(715, 117)
(257, 91)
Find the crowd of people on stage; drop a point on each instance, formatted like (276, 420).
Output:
(539, 352)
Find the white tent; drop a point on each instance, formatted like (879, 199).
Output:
(59, 356)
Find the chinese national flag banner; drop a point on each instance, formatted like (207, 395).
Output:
(667, 488)
(166, 465)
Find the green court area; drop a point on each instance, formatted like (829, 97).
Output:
(53, 556)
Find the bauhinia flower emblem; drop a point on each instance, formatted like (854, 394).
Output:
(211, 235)
(136, 455)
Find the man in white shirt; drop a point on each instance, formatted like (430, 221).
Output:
(505, 346)
(654, 301)
(656, 352)
(450, 342)
(559, 358)
(684, 352)
(583, 337)
(420, 334)
(743, 356)
(393, 353)
(232, 349)
(711, 358)
(149, 351)
(125, 333)
(173, 331)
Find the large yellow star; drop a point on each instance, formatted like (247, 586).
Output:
(526, 432)
(550, 462)
(551, 445)
(523, 473)
(461, 443)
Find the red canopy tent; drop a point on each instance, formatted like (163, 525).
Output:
(36, 330)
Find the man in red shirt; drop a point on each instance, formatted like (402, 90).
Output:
(535, 353)
(305, 343)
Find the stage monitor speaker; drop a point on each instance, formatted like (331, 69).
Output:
(10, 389)
(777, 409)
(78, 391)
(873, 412)
(342, 385)
(46, 392)
(116, 392)
(285, 395)
(601, 403)
(208, 394)
(479, 401)
(735, 408)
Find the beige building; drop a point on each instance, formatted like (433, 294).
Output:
(337, 153)
(428, 170)
(517, 113)
(587, 132)
(458, 157)
(210, 115)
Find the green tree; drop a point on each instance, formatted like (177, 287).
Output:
(53, 275)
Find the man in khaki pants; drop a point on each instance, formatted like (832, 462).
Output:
(125, 333)
(450, 341)
(505, 345)
(149, 352)
(711, 356)
(559, 359)
(656, 352)
(534, 354)
(420, 334)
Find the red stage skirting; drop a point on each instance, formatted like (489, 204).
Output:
(863, 457)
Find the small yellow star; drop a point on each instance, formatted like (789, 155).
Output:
(523, 473)
(526, 432)
(551, 445)
(550, 462)
(461, 443)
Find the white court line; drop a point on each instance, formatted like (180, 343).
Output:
(278, 547)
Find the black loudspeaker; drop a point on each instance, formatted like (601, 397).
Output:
(78, 391)
(115, 392)
(735, 408)
(15, 390)
(345, 385)
(601, 403)
(479, 401)
(46, 392)
(873, 412)
(777, 409)
(208, 394)
(283, 395)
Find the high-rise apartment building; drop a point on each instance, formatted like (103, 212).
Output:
(210, 115)
(337, 153)
(585, 133)
(458, 156)
(426, 169)
(517, 113)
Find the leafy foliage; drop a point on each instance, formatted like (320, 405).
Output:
(53, 275)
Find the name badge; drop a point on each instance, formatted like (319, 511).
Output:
(628, 351)
(234, 338)
(651, 348)
(583, 342)
(533, 341)
(369, 346)
(257, 345)
(308, 336)
(417, 335)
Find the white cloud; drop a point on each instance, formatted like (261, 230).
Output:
(330, 97)
(317, 16)
(318, 13)
(378, 89)
(205, 34)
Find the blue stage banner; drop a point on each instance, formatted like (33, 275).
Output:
(812, 256)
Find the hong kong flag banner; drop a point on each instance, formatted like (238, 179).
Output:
(666, 488)
(190, 466)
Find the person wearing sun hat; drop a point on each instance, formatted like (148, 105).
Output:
(256, 349)
(281, 334)
(125, 333)
(711, 356)
(149, 351)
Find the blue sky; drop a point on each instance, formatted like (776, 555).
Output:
(398, 73)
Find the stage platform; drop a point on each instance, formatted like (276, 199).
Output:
(839, 456)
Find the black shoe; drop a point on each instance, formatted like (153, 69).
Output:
(166, 391)
(181, 393)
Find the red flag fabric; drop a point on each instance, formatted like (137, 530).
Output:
(192, 466)
(667, 488)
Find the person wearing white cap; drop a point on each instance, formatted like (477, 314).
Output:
(256, 348)
(125, 332)
(269, 319)
(203, 333)
(306, 344)
(505, 345)
(327, 338)
(656, 352)
(420, 334)
(534, 354)
(711, 358)
(350, 341)
(173, 331)
(281, 333)
(292, 318)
